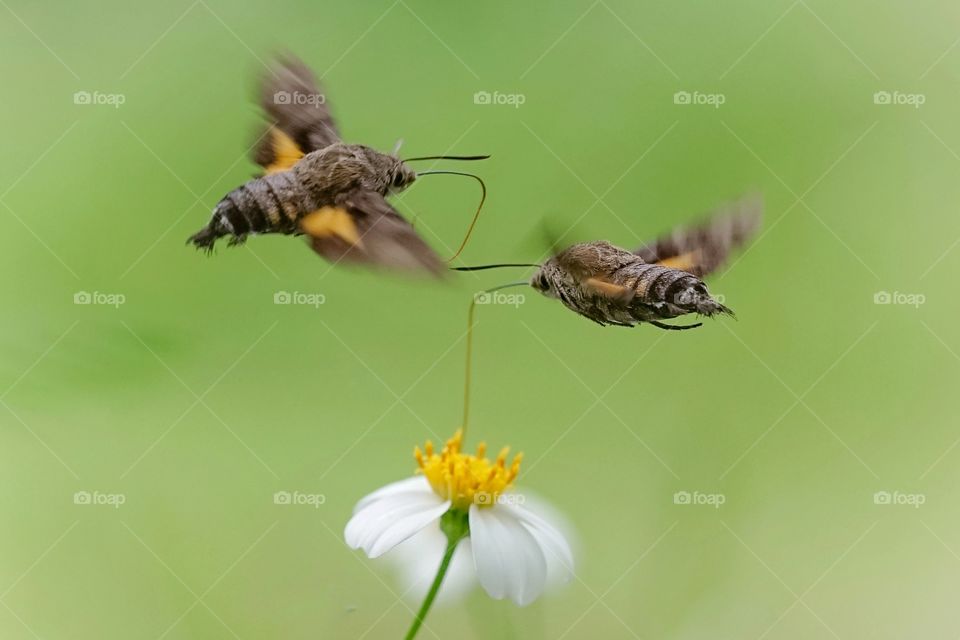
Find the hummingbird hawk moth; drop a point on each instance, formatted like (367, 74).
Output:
(659, 281)
(315, 184)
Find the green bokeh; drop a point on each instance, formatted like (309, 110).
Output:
(199, 398)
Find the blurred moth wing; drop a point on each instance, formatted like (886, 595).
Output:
(298, 114)
(703, 247)
(364, 228)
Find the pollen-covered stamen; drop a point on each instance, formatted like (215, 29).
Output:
(463, 478)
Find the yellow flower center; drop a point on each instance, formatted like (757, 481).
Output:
(466, 479)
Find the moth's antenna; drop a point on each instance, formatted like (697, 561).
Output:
(469, 363)
(483, 267)
(483, 198)
(445, 158)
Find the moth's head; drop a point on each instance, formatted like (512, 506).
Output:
(544, 279)
(400, 176)
(383, 172)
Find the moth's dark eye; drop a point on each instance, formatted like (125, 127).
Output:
(398, 180)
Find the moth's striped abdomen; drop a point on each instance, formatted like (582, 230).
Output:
(672, 291)
(270, 204)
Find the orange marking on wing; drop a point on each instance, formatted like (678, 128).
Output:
(609, 289)
(689, 261)
(286, 153)
(328, 222)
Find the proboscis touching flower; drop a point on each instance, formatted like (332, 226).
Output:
(471, 496)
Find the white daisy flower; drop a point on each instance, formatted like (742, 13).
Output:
(470, 496)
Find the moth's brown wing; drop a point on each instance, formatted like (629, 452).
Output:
(702, 248)
(300, 120)
(364, 229)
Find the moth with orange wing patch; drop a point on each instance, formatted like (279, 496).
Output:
(315, 184)
(660, 281)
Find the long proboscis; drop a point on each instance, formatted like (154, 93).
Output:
(476, 216)
(469, 358)
(483, 267)
(446, 158)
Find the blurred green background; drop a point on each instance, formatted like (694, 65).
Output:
(199, 398)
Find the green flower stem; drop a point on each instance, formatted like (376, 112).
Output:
(455, 524)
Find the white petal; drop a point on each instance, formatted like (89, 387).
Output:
(383, 524)
(376, 516)
(555, 546)
(508, 559)
(407, 485)
(404, 528)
